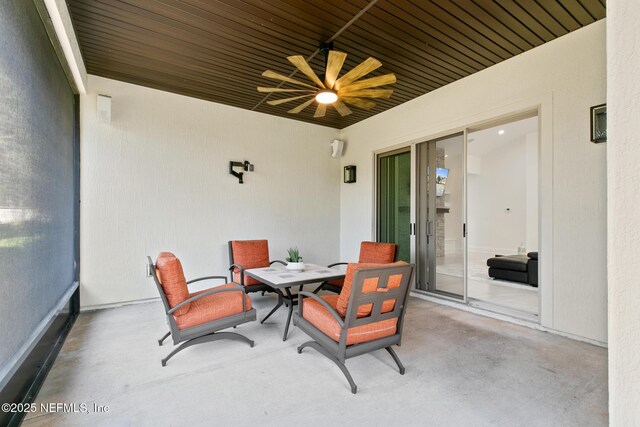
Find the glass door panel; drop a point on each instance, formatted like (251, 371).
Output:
(394, 201)
(502, 182)
(440, 255)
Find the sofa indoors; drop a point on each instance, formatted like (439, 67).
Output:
(515, 268)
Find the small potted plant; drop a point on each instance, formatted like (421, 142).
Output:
(294, 260)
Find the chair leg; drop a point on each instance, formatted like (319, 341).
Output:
(396, 358)
(161, 340)
(215, 336)
(319, 288)
(343, 368)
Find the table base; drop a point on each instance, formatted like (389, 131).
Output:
(289, 300)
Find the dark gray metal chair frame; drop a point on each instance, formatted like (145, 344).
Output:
(205, 332)
(326, 286)
(338, 352)
(257, 288)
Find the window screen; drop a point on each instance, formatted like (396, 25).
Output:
(37, 203)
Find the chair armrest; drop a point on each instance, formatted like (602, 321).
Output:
(324, 304)
(337, 263)
(239, 267)
(278, 261)
(236, 288)
(207, 278)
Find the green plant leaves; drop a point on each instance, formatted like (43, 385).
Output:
(294, 255)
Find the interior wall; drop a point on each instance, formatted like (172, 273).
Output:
(569, 72)
(497, 199)
(623, 155)
(36, 183)
(157, 179)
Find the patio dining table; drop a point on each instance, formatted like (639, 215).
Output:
(282, 280)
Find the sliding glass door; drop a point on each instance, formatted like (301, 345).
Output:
(502, 184)
(394, 200)
(440, 226)
(473, 199)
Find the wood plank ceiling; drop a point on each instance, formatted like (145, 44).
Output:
(217, 49)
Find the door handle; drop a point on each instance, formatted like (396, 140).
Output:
(429, 231)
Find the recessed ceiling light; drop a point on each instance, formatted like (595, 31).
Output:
(446, 155)
(501, 131)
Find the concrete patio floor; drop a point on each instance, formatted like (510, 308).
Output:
(462, 369)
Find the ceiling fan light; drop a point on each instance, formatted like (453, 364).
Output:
(326, 97)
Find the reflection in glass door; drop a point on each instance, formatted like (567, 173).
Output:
(394, 200)
(440, 225)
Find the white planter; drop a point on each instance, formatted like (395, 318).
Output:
(295, 266)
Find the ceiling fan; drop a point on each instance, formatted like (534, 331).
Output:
(330, 89)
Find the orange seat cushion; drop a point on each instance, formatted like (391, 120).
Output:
(171, 276)
(370, 285)
(249, 254)
(212, 307)
(320, 317)
(376, 252)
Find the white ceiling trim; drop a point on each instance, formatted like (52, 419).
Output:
(61, 20)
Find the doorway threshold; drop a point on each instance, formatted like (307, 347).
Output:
(483, 309)
(499, 316)
(500, 309)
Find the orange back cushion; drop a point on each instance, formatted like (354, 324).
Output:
(174, 285)
(249, 254)
(370, 285)
(378, 253)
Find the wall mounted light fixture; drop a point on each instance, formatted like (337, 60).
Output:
(599, 123)
(248, 167)
(350, 174)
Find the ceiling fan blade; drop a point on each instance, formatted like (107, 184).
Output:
(360, 103)
(341, 108)
(369, 93)
(273, 75)
(302, 65)
(334, 65)
(320, 111)
(277, 89)
(372, 82)
(282, 101)
(365, 67)
(301, 107)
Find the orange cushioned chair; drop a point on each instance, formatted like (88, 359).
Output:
(370, 252)
(247, 254)
(197, 317)
(366, 316)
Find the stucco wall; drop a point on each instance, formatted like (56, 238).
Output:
(623, 153)
(564, 78)
(157, 178)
